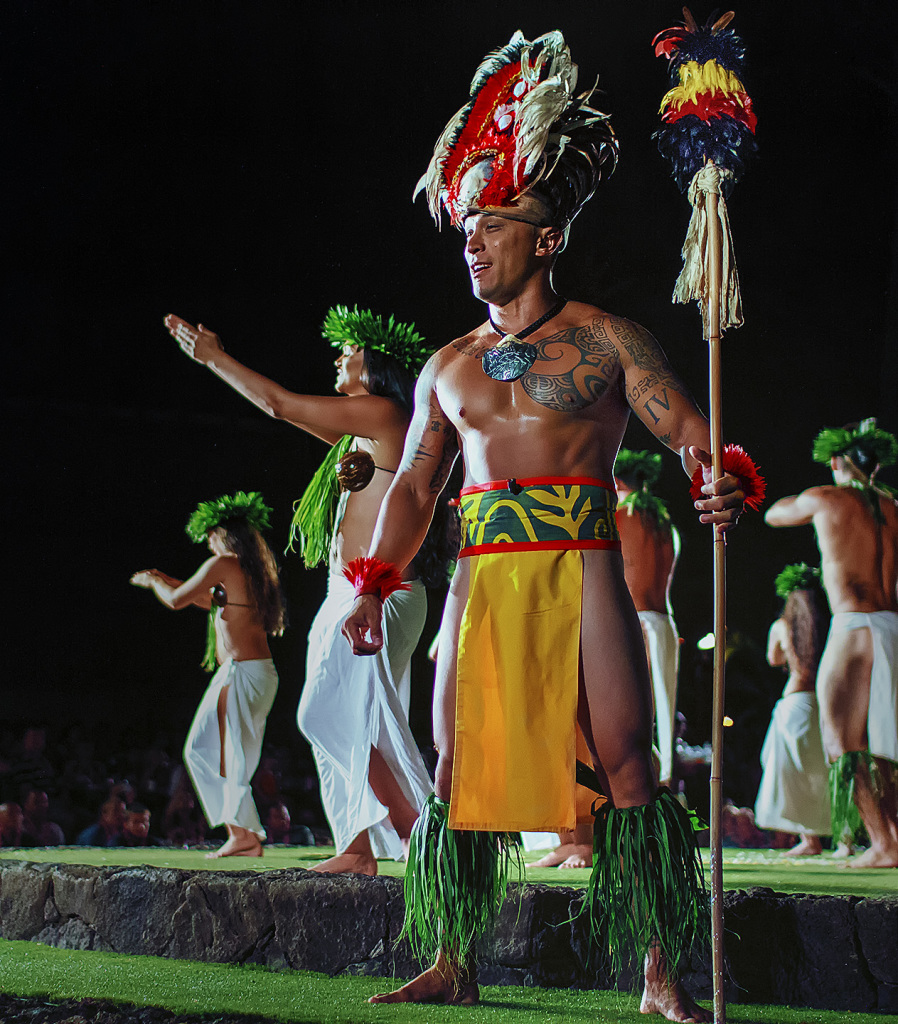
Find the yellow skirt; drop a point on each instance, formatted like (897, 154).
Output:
(516, 736)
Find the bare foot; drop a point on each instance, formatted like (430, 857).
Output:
(673, 1002)
(580, 858)
(667, 997)
(875, 857)
(244, 846)
(348, 863)
(553, 859)
(438, 984)
(809, 846)
(843, 851)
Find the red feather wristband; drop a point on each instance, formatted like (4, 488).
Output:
(372, 576)
(736, 461)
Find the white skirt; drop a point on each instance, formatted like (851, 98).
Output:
(663, 644)
(882, 718)
(793, 795)
(229, 800)
(352, 703)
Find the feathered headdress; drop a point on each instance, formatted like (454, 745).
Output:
(798, 576)
(878, 445)
(345, 326)
(523, 131)
(707, 114)
(249, 507)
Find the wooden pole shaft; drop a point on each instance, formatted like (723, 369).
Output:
(715, 272)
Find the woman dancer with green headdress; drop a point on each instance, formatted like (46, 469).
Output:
(239, 585)
(354, 714)
(792, 796)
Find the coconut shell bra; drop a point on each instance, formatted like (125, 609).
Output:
(356, 470)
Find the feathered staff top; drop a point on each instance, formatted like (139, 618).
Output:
(707, 115)
(523, 125)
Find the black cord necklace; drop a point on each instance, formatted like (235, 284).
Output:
(510, 360)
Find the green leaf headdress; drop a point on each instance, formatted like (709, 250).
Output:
(865, 437)
(643, 469)
(314, 514)
(345, 326)
(798, 576)
(210, 514)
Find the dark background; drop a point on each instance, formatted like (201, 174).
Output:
(250, 164)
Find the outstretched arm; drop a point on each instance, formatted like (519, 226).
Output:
(431, 448)
(176, 595)
(796, 510)
(326, 416)
(660, 399)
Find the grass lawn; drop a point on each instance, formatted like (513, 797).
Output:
(742, 868)
(31, 969)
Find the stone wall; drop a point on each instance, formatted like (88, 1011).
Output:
(828, 952)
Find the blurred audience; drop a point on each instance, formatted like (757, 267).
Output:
(107, 829)
(37, 829)
(11, 821)
(136, 828)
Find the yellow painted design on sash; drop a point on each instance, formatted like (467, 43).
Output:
(572, 512)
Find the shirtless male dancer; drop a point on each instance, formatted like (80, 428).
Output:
(355, 716)
(856, 525)
(546, 634)
(240, 588)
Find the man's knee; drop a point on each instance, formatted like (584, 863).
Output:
(443, 777)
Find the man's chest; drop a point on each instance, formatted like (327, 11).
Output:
(571, 373)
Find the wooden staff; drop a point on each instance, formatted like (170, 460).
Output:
(707, 134)
(714, 256)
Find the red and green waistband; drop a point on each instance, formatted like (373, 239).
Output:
(538, 513)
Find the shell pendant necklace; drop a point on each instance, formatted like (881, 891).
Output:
(510, 359)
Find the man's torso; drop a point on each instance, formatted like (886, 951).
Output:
(858, 550)
(564, 417)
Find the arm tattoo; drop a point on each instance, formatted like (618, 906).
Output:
(439, 443)
(657, 375)
(595, 360)
(445, 464)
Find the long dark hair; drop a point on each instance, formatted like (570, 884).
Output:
(257, 561)
(385, 376)
(806, 615)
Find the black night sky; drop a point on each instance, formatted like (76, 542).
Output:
(249, 164)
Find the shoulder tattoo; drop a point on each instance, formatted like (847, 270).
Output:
(654, 378)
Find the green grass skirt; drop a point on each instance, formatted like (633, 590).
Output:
(845, 817)
(455, 883)
(647, 885)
